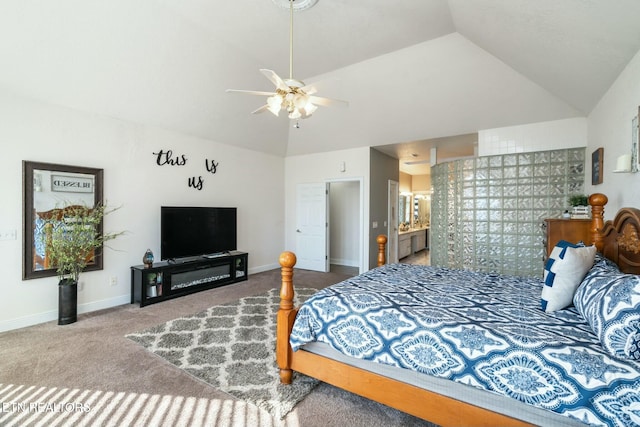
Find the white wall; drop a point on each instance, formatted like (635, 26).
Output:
(610, 127)
(39, 132)
(344, 219)
(543, 136)
(324, 167)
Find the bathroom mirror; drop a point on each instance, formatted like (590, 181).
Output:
(422, 209)
(47, 189)
(404, 209)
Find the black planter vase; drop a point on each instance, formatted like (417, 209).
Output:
(67, 301)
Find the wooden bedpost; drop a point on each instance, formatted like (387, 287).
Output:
(597, 202)
(382, 253)
(286, 316)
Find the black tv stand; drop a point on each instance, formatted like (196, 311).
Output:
(178, 277)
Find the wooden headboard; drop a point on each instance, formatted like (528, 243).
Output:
(618, 239)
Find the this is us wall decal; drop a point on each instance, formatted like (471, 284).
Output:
(167, 158)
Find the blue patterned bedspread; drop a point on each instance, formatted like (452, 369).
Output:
(479, 329)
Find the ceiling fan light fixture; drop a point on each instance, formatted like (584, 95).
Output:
(293, 83)
(310, 108)
(297, 4)
(274, 104)
(300, 100)
(290, 94)
(295, 114)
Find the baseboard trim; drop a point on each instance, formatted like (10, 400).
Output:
(262, 268)
(52, 315)
(48, 316)
(345, 262)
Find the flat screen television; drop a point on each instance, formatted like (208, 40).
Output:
(194, 231)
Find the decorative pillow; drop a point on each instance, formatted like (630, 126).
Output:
(610, 302)
(605, 262)
(563, 272)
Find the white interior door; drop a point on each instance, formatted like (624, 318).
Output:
(392, 228)
(311, 226)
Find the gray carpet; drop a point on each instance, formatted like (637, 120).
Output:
(92, 363)
(232, 348)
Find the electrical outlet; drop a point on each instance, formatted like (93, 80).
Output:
(8, 234)
(113, 281)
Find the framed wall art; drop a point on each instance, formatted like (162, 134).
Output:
(47, 189)
(596, 166)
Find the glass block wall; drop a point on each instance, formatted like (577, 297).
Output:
(487, 212)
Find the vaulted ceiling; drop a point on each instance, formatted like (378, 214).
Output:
(411, 70)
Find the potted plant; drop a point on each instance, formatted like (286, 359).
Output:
(580, 204)
(74, 238)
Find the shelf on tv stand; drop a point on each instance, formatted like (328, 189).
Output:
(165, 280)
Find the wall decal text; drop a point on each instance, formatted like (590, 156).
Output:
(167, 158)
(211, 165)
(196, 184)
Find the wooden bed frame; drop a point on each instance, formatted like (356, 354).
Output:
(617, 240)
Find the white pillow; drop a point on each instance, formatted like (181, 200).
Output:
(564, 270)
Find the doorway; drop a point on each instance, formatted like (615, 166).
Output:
(346, 220)
(329, 226)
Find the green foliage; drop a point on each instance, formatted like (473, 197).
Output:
(74, 243)
(579, 200)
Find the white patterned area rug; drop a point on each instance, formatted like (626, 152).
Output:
(232, 348)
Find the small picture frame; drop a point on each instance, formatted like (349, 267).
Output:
(596, 166)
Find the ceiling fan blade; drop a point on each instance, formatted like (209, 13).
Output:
(327, 102)
(309, 89)
(251, 92)
(275, 79)
(261, 109)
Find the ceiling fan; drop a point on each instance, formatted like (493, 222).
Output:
(290, 94)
